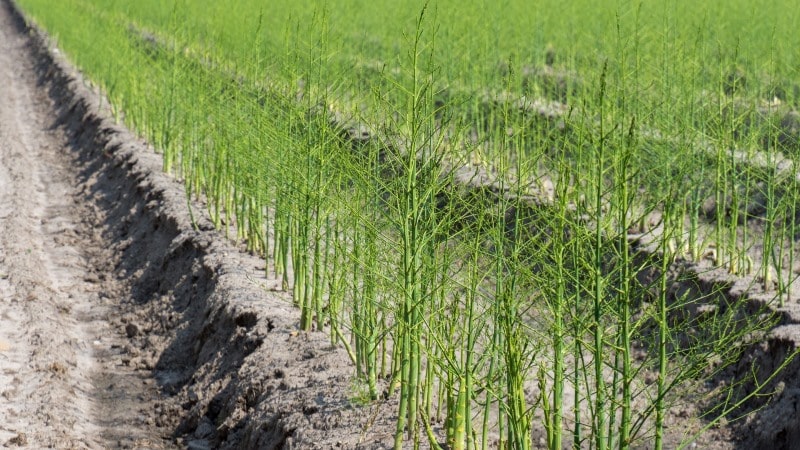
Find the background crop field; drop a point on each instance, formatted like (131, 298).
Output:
(501, 209)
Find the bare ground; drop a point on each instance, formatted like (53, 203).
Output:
(62, 383)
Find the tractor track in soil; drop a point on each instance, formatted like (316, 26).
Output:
(63, 382)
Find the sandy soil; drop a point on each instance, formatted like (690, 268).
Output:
(63, 382)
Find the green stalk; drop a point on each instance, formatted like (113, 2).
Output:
(459, 423)
(555, 434)
(357, 291)
(733, 257)
(695, 248)
(411, 215)
(333, 269)
(579, 308)
(577, 354)
(317, 271)
(555, 424)
(792, 225)
(720, 189)
(768, 251)
(625, 294)
(600, 419)
(491, 397)
(663, 331)
(371, 326)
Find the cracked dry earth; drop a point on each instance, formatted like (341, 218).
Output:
(64, 381)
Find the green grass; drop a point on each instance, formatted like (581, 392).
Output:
(486, 305)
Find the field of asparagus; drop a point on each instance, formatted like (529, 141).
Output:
(531, 224)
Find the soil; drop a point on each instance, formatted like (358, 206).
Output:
(64, 381)
(126, 321)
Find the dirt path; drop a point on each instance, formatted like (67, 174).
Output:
(63, 381)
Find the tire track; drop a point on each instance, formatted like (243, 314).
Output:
(63, 383)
